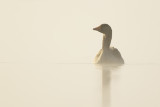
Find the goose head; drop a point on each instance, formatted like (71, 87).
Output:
(103, 28)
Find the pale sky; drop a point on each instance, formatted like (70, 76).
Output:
(61, 30)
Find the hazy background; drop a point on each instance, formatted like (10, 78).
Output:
(38, 38)
(61, 30)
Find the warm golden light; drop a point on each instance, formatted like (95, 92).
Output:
(47, 49)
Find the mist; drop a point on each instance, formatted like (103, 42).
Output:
(47, 50)
(61, 31)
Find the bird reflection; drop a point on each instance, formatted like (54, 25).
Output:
(106, 91)
(106, 83)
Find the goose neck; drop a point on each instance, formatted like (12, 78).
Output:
(106, 41)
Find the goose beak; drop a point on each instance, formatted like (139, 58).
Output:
(97, 28)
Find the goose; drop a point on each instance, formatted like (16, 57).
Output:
(107, 55)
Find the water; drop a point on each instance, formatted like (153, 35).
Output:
(79, 85)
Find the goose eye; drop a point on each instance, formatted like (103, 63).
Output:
(104, 27)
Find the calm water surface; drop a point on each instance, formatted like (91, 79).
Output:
(79, 85)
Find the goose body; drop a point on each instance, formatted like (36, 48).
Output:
(107, 55)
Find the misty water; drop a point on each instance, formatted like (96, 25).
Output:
(79, 85)
(35, 33)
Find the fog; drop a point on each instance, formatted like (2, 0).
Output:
(47, 48)
(61, 31)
